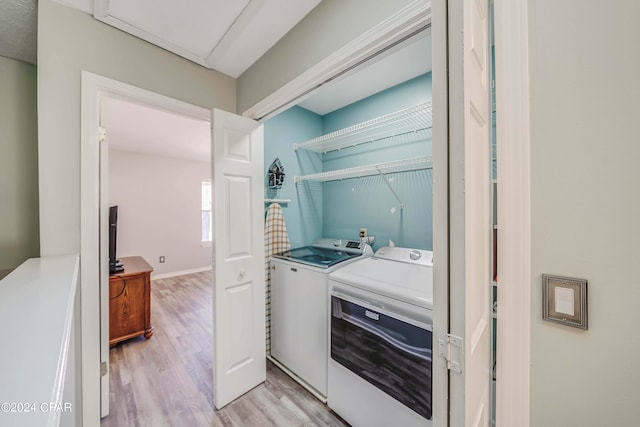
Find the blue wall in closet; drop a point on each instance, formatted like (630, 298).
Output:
(368, 202)
(303, 215)
(340, 208)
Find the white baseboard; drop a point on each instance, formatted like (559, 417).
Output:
(180, 273)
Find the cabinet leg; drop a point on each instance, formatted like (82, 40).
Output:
(148, 333)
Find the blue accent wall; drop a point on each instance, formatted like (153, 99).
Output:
(340, 208)
(368, 202)
(303, 215)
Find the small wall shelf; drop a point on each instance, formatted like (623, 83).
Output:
(277, 200)
(404, 122)
(415, 163)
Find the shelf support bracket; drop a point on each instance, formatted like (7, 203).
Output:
(384, 177)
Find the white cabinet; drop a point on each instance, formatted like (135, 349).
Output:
(299, 313)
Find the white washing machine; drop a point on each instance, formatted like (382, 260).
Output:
(300, 307)
(381, 325)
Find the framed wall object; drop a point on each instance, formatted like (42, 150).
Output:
(564, 300)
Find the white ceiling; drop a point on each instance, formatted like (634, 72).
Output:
(18, 29)
(227, 36)
(143, 129)
(406, 61)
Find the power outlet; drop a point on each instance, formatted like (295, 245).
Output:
(363, 232)
(161, 259)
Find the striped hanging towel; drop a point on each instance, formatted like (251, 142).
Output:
(276, 240)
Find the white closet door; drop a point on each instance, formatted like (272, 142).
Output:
(239, 359)
(470, 202)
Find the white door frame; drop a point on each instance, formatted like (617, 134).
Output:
(513, 383)
(93, 88)
(514, 194)
(440, 155)
(104, 269)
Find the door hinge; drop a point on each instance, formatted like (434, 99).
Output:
(102, 134)
(451, 350)
(103, 369)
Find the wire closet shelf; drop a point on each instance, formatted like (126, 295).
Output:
(415, 163)
(413, 120)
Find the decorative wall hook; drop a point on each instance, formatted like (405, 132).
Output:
(276, 174)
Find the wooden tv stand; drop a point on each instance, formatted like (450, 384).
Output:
(130, 301)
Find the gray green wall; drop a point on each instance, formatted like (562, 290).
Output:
(327, 28)
(70, 41)
(585, 176)
(18, 164)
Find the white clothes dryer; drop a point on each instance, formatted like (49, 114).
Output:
(381, 325)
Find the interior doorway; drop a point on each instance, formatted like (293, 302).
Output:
(94, 266)
(154, 167)
(237, 186)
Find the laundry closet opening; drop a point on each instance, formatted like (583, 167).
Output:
(356, 177)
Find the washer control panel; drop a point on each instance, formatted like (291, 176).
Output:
(351, 246)
(409, 255)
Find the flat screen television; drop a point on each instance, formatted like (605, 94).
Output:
(114, 265)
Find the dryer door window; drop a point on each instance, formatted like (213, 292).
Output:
(390, 354)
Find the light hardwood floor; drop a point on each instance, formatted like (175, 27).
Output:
(167, 380)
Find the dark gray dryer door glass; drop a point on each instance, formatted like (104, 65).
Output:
(393, 355)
